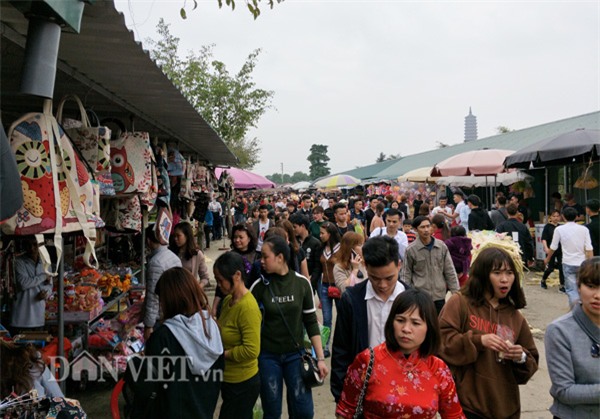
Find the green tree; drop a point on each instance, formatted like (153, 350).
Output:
(296, 177)
(383, 157)
(253, 6)
(318, 161)
(503, 129)
(300, 177)
(231, 104)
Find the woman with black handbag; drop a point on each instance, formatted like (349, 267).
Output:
(402, 377)
(286, 299)
(328, 292)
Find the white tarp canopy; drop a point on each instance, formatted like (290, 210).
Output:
(300, 186)
(483, 181)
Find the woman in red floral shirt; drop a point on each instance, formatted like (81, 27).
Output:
(406, 381)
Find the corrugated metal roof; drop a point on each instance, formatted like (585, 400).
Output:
(370, 171)
(114, 76)
(513, 140)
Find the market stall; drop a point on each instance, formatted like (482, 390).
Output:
(95, 173)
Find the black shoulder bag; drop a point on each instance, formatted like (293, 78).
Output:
(358, 414)
(309, 369)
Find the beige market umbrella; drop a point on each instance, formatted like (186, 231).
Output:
(420, 175)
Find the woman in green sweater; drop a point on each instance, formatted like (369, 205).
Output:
(282, 290)
(239, 322)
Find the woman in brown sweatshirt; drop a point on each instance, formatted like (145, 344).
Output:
(486, 341)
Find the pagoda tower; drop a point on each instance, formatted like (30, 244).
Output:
(470, 127)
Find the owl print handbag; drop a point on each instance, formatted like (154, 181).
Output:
(131, 160)
(58, 194)
(93, 142)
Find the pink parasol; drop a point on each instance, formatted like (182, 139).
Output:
(246, 180)
(486, 162)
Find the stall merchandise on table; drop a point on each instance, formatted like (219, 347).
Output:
(90, 296)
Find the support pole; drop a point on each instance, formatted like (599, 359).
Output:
(546, 192)
(61, 316)
(144, 224)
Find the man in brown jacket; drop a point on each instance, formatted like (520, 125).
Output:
(428, 264)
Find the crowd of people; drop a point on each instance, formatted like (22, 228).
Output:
(421, 328)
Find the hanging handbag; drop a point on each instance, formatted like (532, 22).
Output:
(131, 159)
(162, 177)
(358, 414)
(93, 143)
(163, 226)
(58, 195)
(309, 368)
(175, 160)
(148, 198)
(185, 191)
(123, 215)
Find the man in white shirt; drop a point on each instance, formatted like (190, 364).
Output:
(280, 204)
(393, 229)
(217, 211)
(324, 202)
(442, 201)
(261, 225)
(576, 245)
(459, 200)
(364, 308)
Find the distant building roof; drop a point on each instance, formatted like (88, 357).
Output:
(369, 172)
(513, 140)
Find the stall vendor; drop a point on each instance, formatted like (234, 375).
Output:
(33, 285)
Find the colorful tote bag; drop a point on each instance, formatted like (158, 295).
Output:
(58, 193)
(93, 142)
(185, 191)
(164, 225)
(175, 160)
(131, 159)
(148, 199)
(162, 176)
(123, 215)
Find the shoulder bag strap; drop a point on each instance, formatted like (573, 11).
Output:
(84, 117)
(89, 233)
(363, 391)
(287, 326)
(195, 265)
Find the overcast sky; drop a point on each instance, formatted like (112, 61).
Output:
(365, 77)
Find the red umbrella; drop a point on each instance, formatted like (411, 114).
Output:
(486, 162)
